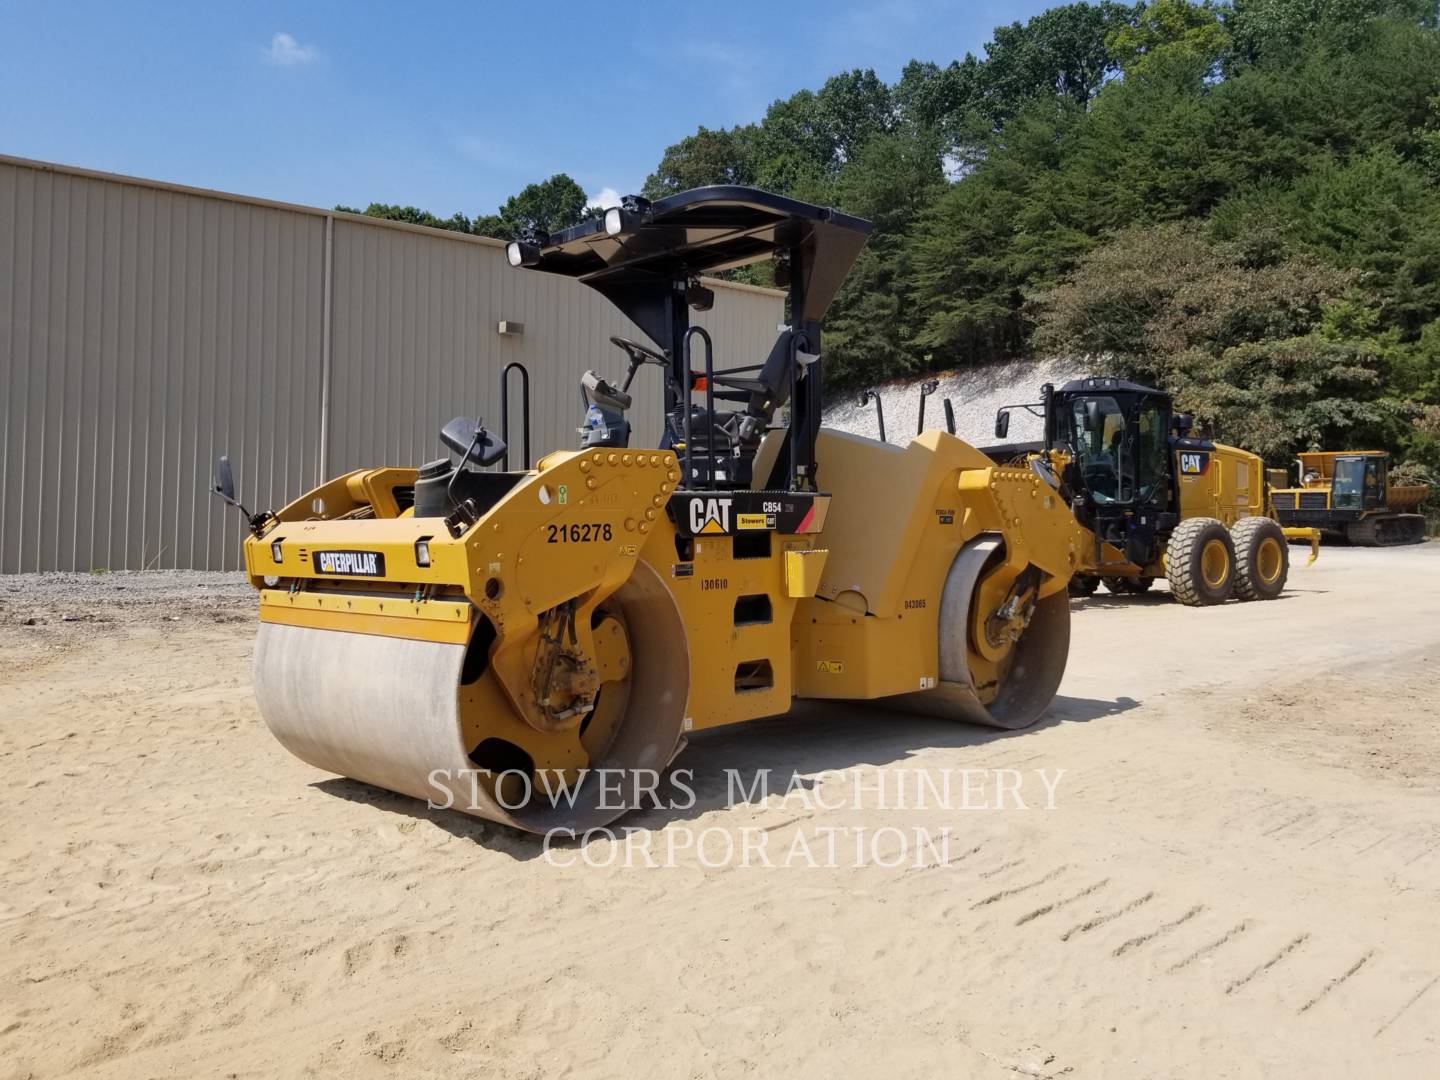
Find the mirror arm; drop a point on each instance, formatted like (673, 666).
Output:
(256, 522)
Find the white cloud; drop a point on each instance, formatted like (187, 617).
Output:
(605, 198)
(285, 51)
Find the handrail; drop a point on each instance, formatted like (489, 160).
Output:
(524, 405)
(928, 387)
(797, 339)
(874, 395)
(709, 406)
(949, 417)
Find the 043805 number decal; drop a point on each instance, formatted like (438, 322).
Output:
(578, 533)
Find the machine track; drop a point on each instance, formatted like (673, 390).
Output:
(1387, 530)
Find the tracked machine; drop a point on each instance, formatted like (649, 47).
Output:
(1349, 494)
(532, 646)
(1153, 499)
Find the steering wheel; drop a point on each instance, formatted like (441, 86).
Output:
(639, 354)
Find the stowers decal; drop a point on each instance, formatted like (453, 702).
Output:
(791, 513)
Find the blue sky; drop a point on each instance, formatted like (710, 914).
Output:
(446, 106)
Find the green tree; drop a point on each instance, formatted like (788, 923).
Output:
(1378, 214)
(710, 156)
(1261, 355)
(892, 180)
(1281, 29)
(1060, 52)
(1157, 293)
(413, 215)
(1169, 29)
(945, 101)
(805, 140)
(1240, 202)
(547, 206)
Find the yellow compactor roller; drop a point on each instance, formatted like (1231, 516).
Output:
(532, 646)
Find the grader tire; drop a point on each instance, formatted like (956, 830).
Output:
(1262, 559)
(1083, 585)
(1200, 562)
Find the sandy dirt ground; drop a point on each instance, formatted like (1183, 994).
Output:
(1240, 877)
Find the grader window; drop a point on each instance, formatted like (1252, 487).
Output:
(1096, 432)
(1152, 466)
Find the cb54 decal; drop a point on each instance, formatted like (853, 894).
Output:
(743, 511)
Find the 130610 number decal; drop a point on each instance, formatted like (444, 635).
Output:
(578, 533)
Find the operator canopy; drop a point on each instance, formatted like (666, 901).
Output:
(647, 259)
(640, 248)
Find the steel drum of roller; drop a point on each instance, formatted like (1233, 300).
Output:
(389, 712)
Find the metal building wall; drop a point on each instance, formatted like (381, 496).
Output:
(142, 332)
(146, 328)
(415, 343)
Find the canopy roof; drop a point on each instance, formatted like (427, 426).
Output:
(702, 231)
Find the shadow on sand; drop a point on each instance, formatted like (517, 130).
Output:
(1111, 602)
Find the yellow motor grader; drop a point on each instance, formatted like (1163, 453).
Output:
(1155, 501)
(531, 646)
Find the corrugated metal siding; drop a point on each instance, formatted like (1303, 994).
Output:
(142, 332)
(146, 329)
(415, 343)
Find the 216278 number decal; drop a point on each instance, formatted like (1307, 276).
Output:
(579, 533)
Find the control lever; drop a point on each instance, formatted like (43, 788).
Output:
(603, 393)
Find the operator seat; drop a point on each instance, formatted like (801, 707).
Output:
(731, 437)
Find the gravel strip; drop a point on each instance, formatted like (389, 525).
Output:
(975, 394)
(28, 600)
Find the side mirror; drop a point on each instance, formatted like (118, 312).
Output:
(1002, 423)
(224, 481)
(473, 441)
(699, 297)
(222, 486)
